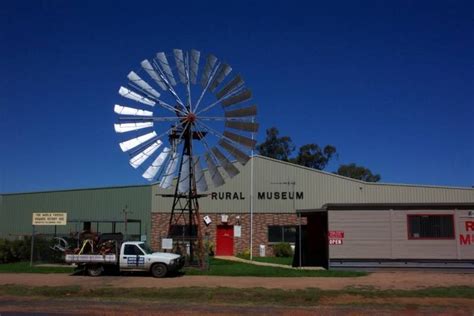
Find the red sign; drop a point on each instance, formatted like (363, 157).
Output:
(338, 234)
(467, 239)
(335, 237)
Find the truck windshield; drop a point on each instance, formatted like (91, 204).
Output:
(146, 248)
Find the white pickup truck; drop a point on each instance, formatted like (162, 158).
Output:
(133, 256)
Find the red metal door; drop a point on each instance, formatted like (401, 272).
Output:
(225, 240)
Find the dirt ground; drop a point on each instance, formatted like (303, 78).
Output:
(339, 305)
(405, 280)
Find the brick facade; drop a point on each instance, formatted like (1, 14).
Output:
(261, 221)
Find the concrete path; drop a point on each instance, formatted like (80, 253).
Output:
(268, 264)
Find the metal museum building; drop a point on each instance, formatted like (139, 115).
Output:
(343, 221)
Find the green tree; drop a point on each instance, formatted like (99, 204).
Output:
(313, 156)
(358, 172)
(276, 147)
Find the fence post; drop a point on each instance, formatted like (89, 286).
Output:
(32, 245)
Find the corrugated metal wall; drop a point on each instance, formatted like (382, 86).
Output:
(317, 188)
(382, 234)
(90, 204)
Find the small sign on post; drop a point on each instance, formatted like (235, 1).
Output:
(50, 219)
(237, 231)
(167, 243)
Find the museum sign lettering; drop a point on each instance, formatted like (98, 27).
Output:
(277, 195)
(468, 237)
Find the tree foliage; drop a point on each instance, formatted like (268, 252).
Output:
(313, 156)
(358, 172)
(310, 155)
(276, 147)
(281, 148)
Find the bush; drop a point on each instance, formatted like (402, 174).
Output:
(244, 255)
(209, 246)
(282, 249)
(19, 250)
(5, 253)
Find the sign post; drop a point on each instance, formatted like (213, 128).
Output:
(45, 219)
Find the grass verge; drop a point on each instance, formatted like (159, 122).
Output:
(199, 295)
(24, 267)
(217, 268)
(220, 267)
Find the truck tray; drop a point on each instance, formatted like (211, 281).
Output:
(112, 258)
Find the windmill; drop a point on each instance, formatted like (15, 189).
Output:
(208, 119)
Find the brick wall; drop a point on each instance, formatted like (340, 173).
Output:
(261, 221)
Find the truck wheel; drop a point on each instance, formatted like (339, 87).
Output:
(159, 270)
(95, 270)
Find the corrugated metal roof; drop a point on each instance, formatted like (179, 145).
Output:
(360, 181)
(79, 189)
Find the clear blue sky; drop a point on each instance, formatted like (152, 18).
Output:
(389, 83)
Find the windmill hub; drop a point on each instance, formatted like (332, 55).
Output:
(190, 118)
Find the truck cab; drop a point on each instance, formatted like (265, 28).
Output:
(137, 256)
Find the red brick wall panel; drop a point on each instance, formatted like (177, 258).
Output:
(261, 221)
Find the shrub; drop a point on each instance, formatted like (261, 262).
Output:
(209, 246)
(5, 253)
(19, 250)
(244, 254)
(282, 249)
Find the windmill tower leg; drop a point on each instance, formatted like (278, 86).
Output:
(185, 209)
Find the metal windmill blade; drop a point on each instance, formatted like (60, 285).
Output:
(179, 58)
(128, 127)
(140, 157)
(183, 185)
(147, 66)
(231, 170)
(151, 172)
(234, 151)
(222, 72)
(201, 183)
(231, 86)
(238, 98)
(125, 110)
(142, 84)
(194, 62)
(170, 171)
(208, 68)
(127, 93)
(137, 141)
(166, 67)
(214, 173)
(250, 111)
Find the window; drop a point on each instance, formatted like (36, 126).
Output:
(430, 226)
(146, 248)
(182, 231)
(283, 233)
(132, 250)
